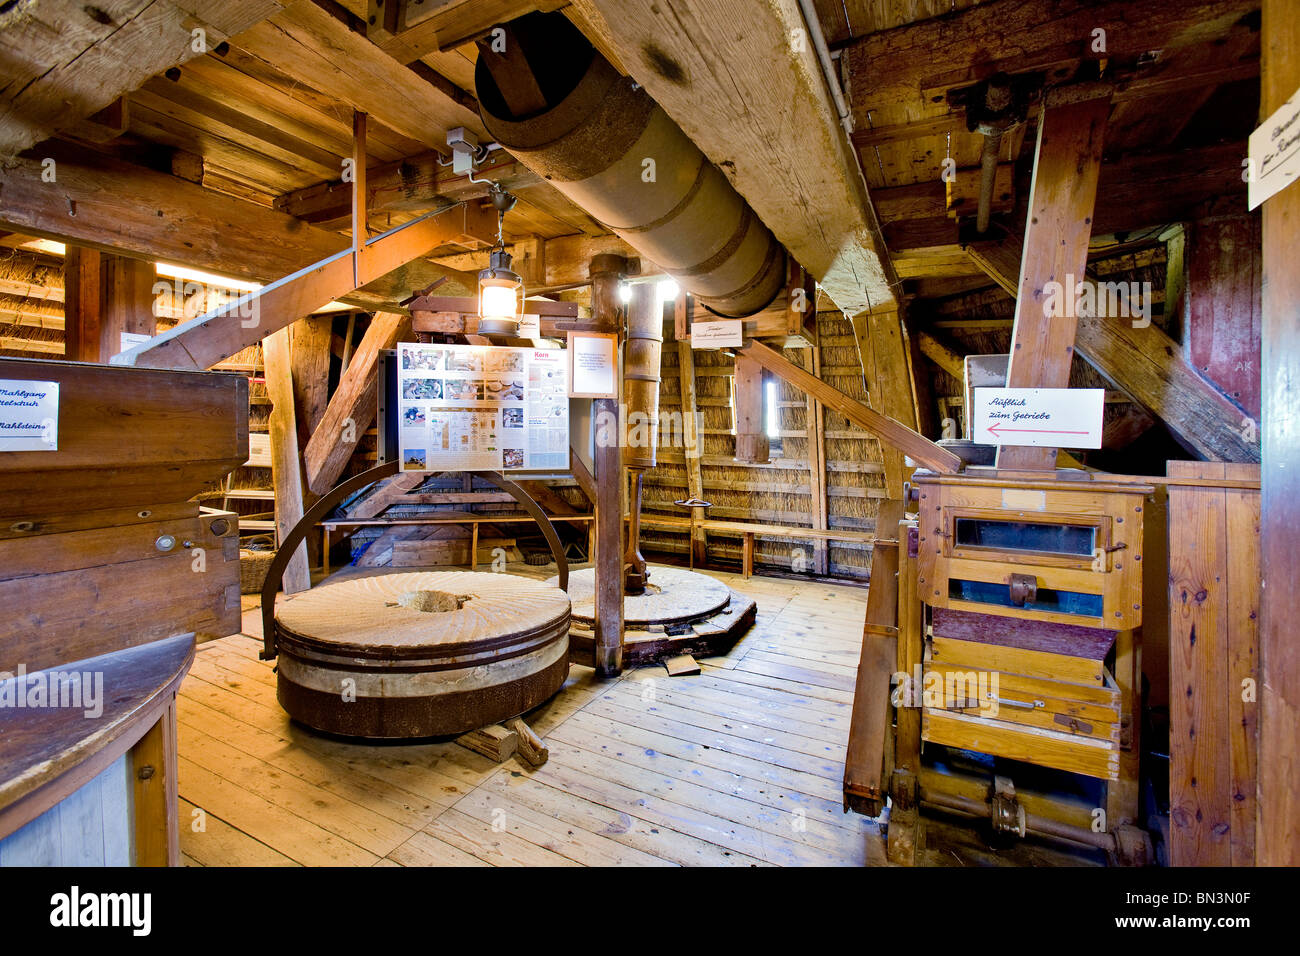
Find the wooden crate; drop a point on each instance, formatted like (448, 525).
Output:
(1077, 542)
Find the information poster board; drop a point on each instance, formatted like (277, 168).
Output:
(482, 408)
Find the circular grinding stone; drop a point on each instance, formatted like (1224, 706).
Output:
(672, 595)
(421, 610)
(420, 654)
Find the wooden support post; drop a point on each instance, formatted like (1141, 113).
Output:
(360, 230)
(751, 432)
(1278, 837)
(693, 441)
(286, 466)
(154, 794)
(1222, 332)
(882, 348)
(607, 274)
(310, 356)
(83, 300)
(815, 429)
(310, 340)
(683, 315)
(352, 409)
(906, 835)
(128, 301)
(1067, 161)
(747, 556)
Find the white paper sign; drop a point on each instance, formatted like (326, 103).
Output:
(727, 333)
(131, 339)
(594, 361)
(1275, 152)
(1050, 417)
(29, 415)
(530, 326)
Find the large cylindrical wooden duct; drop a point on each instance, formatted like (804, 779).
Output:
(603, 142)
(641, 354)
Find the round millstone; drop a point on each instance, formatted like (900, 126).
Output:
(420, 654)
(671, 595)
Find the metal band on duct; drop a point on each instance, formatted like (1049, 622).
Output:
(611, 149)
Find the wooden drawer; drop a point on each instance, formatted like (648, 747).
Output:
(1024, 690)
(1046, 748)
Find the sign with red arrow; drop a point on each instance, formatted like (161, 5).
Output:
(1049, 417)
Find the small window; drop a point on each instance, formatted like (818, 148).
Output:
(772, 415)
(1068, 539)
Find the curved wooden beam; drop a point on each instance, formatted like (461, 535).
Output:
(330, 501)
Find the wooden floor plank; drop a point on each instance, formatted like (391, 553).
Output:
(424, 849)
(210, 841)
(543, 830)
(660, 841)
(348, 782)
(297, 838)
(826, 788)
(767, 793)
(738, 765)
(357, 824)
(497, 847)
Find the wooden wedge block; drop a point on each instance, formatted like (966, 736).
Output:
(494, 742)
(531, 749)
(681, 665)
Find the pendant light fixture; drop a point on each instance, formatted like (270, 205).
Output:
(500, 288)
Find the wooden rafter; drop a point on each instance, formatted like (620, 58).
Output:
(110, 205)
(309, 43)
(901, 436)
(208, 339)
(64, 61)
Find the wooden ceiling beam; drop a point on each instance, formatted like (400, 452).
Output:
(416, 184)
(62, 61)
(312, 45)
(896, 71)
(756, 103)
(114, 206)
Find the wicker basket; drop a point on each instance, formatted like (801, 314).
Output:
(254, 562)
